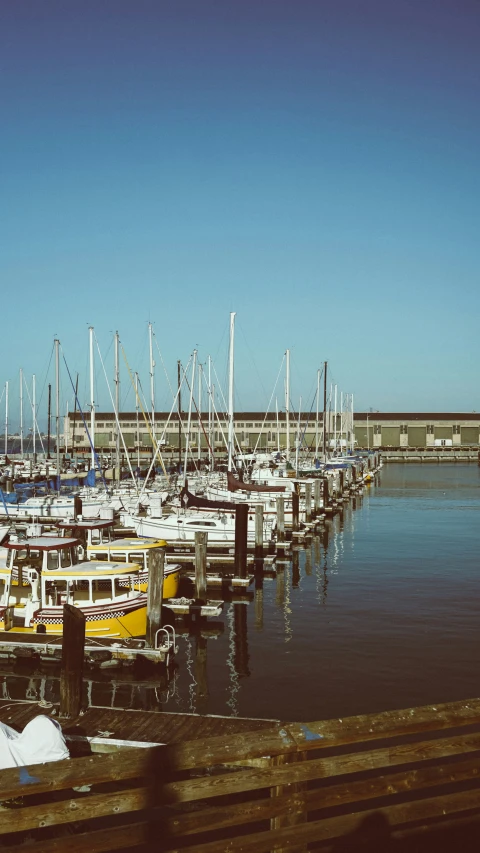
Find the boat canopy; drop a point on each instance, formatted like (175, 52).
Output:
(41, 543)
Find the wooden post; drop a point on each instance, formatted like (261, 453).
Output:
(295, 507)
(308, 501)
(317, 497)
(326, 493)
(281, 520)
(259, 532)
(201, 565)
(156, 569)
(341, 478)
(73, 650)
(241, 530)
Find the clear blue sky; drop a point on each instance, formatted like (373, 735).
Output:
(311, 165)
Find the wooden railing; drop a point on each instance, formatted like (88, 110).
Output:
(367, 778)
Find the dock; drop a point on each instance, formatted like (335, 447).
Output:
(402, 780)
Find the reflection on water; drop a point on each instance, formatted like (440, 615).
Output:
(380, 610)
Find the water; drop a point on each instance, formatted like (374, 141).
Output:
(382, 611)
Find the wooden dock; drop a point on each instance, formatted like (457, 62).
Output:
(400, 780)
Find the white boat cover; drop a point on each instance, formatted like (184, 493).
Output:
(41, 741)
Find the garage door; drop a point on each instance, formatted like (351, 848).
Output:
(469, 435)
(361, 436)
(443, 432)
(390, 436)
(417, 436)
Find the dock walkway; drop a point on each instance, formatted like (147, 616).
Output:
(399, 780)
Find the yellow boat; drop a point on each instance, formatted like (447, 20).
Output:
(98, 544)
(48, 574)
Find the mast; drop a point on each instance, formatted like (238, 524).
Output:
(74, 416)
(199, 413)
(210, 419)
(287, 402)
(137, 421)
(92, 401)
(278, 426)
(152, 379)
(230, 390)
(187, 442)
(65, 430)
(352, 436)
(57, 412)
(21, 412)
(325, 411)
(297, 449)
(34, 419)
(49, 416)
(179, 409)
(6, 417)
(117, 406)
(335, 421)
(316, 421)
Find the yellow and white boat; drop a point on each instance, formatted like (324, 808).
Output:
(98, 544)
(43, 573)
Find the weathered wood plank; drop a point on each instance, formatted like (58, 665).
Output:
(320, 768)
(98, 841)
(320, 830)
(365, 727)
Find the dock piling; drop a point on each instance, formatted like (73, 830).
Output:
(259, 532)
(156, 570)
(201, 565)
(308, 502)
(295, 508)
(241, 530)
(281, 520)
(73, 649)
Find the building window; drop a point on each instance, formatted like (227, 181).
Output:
(403, 429)
(430, 429)
(377, 429)
(456, 429)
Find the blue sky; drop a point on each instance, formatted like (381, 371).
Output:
(313, 166)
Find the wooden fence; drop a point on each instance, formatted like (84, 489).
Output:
(367, 779)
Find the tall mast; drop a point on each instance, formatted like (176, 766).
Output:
(199, 414)
(57, 412)
(21, 412)
(187, 441)
(34, 418)
(6, 417)
(137, 421)
(152, 378)
(287, 403)
(230, 390)
(352, 436)
(297, 448)
(318, 406)
(325, 411)
(65, 430)
(117, 406)
(49, 419)
(335, 420)
(278, 426)
(210, 419)
(92, 400)
(179, 409)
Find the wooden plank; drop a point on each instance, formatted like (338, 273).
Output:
(365, 727)
(214, 818)
(98, 841)
(322, 830)
(320, 768)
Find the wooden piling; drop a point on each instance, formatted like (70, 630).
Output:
(295, 508)
(326, 493)
(317, 497)
(281, 520)
(308, 501)
(259, 532)
(201, 565)
(73, 650)
(156, 570)
(241, 529)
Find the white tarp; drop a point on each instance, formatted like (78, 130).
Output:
(41, 740)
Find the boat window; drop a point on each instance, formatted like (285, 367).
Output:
(96, 537)
(74, 556)
(52, 559)
(203, 523)
(65, 558)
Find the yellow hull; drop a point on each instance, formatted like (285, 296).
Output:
(128, 624)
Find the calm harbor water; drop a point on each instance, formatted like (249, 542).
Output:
(382, 610)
